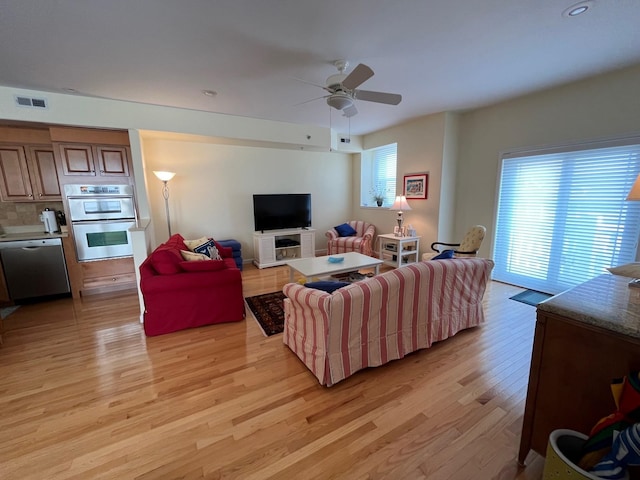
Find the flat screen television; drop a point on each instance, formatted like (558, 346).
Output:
(277, 211)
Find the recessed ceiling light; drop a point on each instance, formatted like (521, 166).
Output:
(577, 9)
(209, 93)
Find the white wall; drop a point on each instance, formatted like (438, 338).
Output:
(605, 106)
(421, 149)
(74, 110)
(211, 193)
(466, 147)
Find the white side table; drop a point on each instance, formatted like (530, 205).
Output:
(398, 251)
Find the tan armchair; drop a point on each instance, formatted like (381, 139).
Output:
(361, 242)
(468, 247)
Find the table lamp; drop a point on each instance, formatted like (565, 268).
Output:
(400, 205)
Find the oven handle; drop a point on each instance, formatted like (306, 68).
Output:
(100, 222)
(97, 197)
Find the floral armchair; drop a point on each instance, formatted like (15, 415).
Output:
(361, 241)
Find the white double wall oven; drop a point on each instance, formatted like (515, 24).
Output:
(101, 216)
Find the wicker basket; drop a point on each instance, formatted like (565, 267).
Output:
(563, 450)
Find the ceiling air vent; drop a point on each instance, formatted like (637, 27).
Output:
(31, 102)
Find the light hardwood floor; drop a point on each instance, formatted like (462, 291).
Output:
(85, 395)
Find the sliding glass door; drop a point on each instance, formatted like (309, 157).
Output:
(562, 216)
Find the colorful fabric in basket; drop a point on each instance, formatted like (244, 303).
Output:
(624, 451)
(626, 393)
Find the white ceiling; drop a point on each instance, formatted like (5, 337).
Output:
(439, 54)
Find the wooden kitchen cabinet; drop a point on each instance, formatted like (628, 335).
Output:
(28, 173)
(585, 337)
(104, 275)
(5, 299)
(112, 161)
(94, 160)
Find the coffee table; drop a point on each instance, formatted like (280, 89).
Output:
(316, 266)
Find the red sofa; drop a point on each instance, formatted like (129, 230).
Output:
(179, 294)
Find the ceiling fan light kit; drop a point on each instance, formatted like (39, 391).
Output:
(343, 91)
(339, 100)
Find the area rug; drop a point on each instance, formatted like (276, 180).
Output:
(268, 310)
(531, 297)
(351, 276)
(5, 312)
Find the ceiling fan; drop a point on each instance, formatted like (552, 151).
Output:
(343, 91)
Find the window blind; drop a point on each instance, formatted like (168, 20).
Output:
(379, 174)
(562, 217)
(384, 171)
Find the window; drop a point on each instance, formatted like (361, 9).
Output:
(378, 175)
(562, 216)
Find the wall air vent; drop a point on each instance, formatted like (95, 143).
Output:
(31, 102)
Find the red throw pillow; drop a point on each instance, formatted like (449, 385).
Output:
(203, 266)
(225, 252)
(175, 241)
(166, 260)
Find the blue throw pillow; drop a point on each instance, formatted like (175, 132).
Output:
(326, 285)
(444, 255)
(345, 230)
(209, 249)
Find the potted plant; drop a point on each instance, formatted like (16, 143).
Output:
(378, 195)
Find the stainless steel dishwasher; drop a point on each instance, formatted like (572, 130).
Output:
(34, 268)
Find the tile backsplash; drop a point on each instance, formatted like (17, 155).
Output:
(15, 214)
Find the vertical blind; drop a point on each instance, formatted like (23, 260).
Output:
(562, 217)
(379, 173)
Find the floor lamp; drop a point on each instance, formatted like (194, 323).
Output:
(165, 177)
(634, 195)
(400, 205)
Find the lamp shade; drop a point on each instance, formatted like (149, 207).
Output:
(400, 204)
(164, 176)
(634, 193)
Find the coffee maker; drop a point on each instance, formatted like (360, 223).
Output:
(48, 218)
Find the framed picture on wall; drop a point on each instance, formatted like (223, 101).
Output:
(416, 186)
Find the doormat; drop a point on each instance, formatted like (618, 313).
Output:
(531, 297)
(5, 312)
(268, 310)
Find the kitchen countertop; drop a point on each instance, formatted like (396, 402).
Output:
(12, 237)
(27, 232)
(605, 301)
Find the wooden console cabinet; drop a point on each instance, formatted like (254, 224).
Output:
(276, 247)
(584, 338)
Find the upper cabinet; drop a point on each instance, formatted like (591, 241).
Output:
(35, 162)
(94, 160)
(28, 173)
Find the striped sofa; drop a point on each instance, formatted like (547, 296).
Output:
(383, 318)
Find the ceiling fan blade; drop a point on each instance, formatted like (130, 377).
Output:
(311, 83)
(357, 77)
(312, 100)
(379, 97)
(349, 111)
